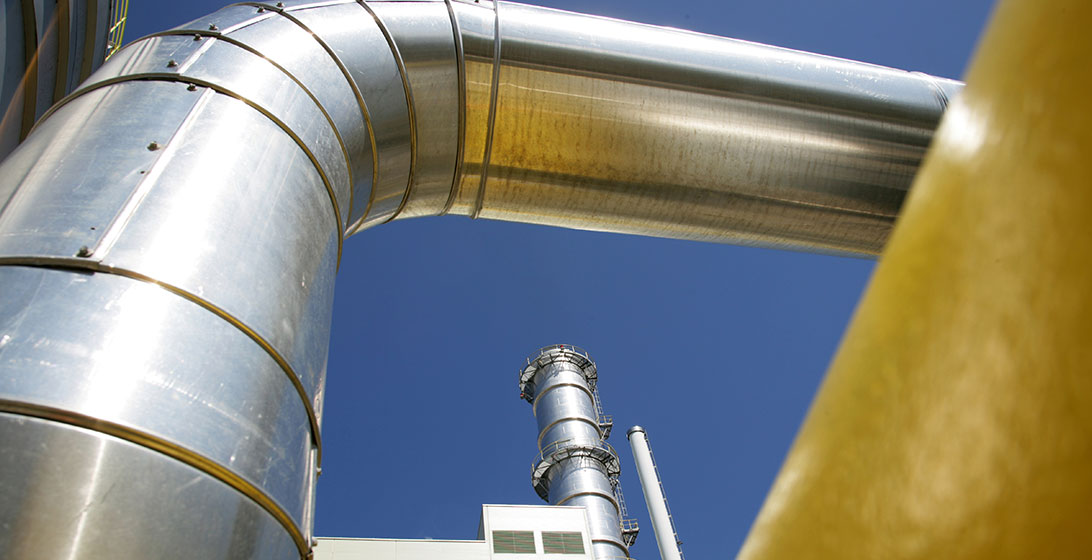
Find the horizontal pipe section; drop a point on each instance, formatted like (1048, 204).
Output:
(593, 123)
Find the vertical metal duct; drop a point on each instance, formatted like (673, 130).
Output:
(575, 466)
(663, 524)
(48, 49)
(170, 232)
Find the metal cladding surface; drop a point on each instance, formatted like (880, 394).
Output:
(171, 288)
(54, 470)
(423, 34)
(583, 481)
(118, 365)
(575, 466)
(593, 123)
(956, 419)
(201, 245)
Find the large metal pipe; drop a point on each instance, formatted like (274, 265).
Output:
(170, 232)
(576, 466)
(663, 525)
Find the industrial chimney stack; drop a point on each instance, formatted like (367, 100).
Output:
(576, 466)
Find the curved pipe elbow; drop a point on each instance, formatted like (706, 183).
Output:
(519, 113)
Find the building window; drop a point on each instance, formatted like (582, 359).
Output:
(557, 542)
(513, 542)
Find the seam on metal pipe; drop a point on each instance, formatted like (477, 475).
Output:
(148, 180)
(938, 91)
(538, 395)
(494, 89)
(176, 452)
(318, 4)
(607, 497)
(247, 23)
(460, 146)
(356, 91)
(171, 77)
(568, 418)
(410, 107)
(360, 100)
(98, 266)
(194, 57)
(337, 133)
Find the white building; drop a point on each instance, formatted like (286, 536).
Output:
(505, 532)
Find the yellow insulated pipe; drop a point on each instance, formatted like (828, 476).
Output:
(956, 419)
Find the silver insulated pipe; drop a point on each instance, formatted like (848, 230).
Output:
(170, 231)
(575, 466)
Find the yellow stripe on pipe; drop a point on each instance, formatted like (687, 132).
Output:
(956, 419)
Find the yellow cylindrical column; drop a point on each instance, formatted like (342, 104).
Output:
(956, 420)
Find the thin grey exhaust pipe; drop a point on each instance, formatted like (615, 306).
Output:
(169, 233)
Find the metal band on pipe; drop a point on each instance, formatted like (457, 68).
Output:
(569, 419)
(220, 36)
(538, 395)
(460, 67)
(410, 106)
(169, 449)
(356, 91)
(171, 77)
(607, 497)
(97, 266)
(491, 120)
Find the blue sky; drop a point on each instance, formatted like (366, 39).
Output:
(715, 349)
